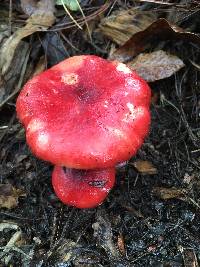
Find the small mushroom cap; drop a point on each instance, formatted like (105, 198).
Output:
(82, 188)
(85, 113)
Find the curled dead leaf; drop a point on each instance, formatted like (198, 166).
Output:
(9, 196)
(156, 65)
(158, 30)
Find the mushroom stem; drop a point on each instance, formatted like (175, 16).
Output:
(82, 188)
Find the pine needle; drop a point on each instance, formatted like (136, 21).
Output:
(69, 14)
(88, 29)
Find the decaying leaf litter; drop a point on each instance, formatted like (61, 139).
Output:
(151, 218)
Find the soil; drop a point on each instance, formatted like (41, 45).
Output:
(148, 219)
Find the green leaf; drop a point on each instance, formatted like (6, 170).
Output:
(71, 4)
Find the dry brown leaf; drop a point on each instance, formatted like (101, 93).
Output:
(122, 24)
(144, 167)
(9, 196)
(158, 30)
(121, 244)
(168, 193)
(41, 19)
(156, 65)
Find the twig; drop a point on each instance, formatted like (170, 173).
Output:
(87, 26)
(69, 25)
(10, 17)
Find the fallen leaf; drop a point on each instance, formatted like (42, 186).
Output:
(29, 6)
(41, 19)
(122, 24)
(156, 65)
(9, 196)
(144, 167)
(169, 193)
(54, 48)
(158, 30)
(14, 52)
(15, 73)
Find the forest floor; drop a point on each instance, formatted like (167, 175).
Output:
(152, 215)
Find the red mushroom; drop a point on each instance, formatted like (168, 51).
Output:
(82, 188)
(85, 113)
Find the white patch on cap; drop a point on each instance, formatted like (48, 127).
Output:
(123, 68)
(135, 84)
(42, 140)
(131, 108)
(69, 78)
(35, 125)
(116, 132)
(106, 104)
(132, 114)
(92, 61)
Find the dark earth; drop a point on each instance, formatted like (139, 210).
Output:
(149, 218)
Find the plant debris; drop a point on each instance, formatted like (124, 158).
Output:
(123, 24)
(158, 30)
(9, 196)
(144, 167)
(71, 4)
(156, 65)
(41, 18)
(151, 217)
(169, 193)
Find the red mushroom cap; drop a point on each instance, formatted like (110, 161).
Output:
(85, 113)
(82, 188)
